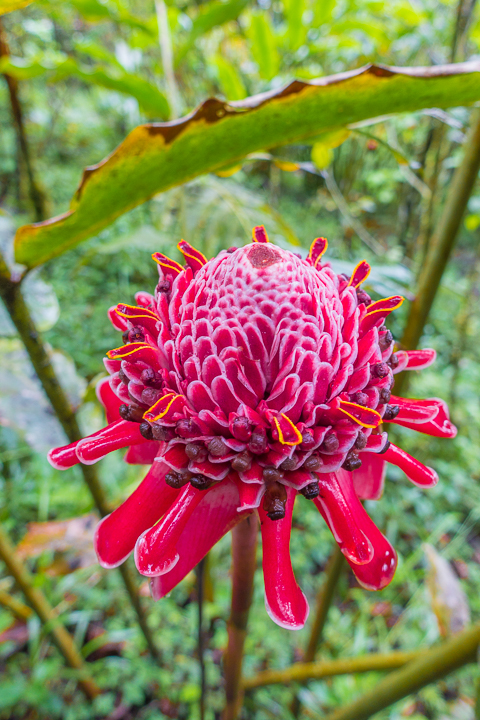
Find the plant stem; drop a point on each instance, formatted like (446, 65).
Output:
(244, 545)
(324, 600)
(429, 667)
(201, 659)
(11, 294)
(444, 236)
(19, 609)
(46, 613)
(302, 672)
(165, 41)
(37, 196)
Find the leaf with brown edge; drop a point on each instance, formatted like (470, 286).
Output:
(159, 156)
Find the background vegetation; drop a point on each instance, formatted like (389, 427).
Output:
(86, 72)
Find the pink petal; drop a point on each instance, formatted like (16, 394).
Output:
(416, 472)
(108, 399)
(117, 435)
(156, 550)
(415, 359)
(369, 479)
(216, 514)
(284, 601)
(116, 535)
(345, 516)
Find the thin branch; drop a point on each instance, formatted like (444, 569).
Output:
(427, 668)
(37, 195)
(324, 600)
(19, 609)
(302, 672)
(11, 294)
(244, 544)
(200, 636)
(46, 613)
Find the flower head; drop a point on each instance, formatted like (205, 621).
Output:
(245, 381)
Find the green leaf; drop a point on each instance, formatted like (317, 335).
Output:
(7, 6)
(263, 45)
(296, 30)
(156, 157)
(229, 79)
(96, 11)
(150, 99)
(211, 15)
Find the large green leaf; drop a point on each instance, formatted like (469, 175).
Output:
(7, 6)
(150, 99)
(158, 156)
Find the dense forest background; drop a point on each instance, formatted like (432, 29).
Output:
(85, 73)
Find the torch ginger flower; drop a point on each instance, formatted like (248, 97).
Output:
(244, 381)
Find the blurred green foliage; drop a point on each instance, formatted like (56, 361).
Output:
(88, 72)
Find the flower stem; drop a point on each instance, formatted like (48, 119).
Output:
(16, 607)
(302, 672)
(46, 613)
(201, 659)
(444, 236)
(427, 668)
(11, 294)
(244, 545)
(324, 600)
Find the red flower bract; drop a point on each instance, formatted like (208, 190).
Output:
(244, 381)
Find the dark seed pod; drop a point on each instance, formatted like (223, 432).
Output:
(379, 370)
(288, 465)
(146, 431)
(124, 412)
(312, 463)
(150, 396)
(384, 448)
(359, 398)
(160, 433)
(177, 480)
(352, 462)
(385, 395)
(125, 380)
(311, 490)
(330, 443)
(361, 441)
(163, 286)
(274, 501)
(308, 441)
(151, 378)
(258, 442)
(271, 474)
(391, 412)
(186, 428)
(217, 447)
(363, 297)
(242, 462)
(386, 340)
(231, 249)
(393, 362)
(125, 336)
(241, 429)
(196, 451)
(136, 334)
(201, 482)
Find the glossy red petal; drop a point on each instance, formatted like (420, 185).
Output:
(142, 454)
(215, 515)
(117, 435)
(65, 457)
(108, 399)
(344, 515)
(379, 572)
(116, 535)
(415, 359)
(284, 601)
(369, 479)
(418, 473)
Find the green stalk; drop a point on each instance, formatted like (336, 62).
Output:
(46, 613)
(244, 545)
(427, 668)
(303, 672)
(11, 294)
(323, 602)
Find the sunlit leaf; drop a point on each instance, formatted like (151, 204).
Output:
(96, 11)
(263, 45)
(159, 156)
(149, 98)
(322, 155)
(229, 79)
(210, 15)
(296, 31)
(7, 6)
(333, 139)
